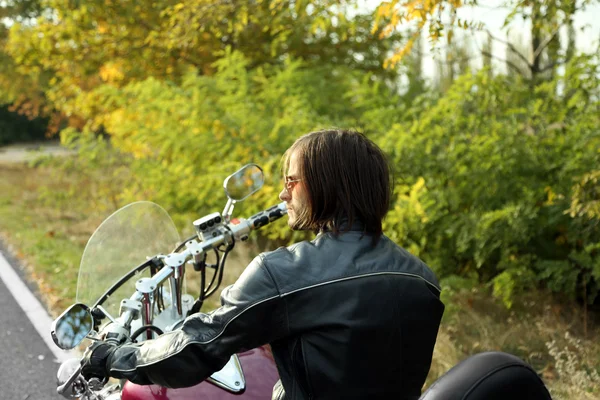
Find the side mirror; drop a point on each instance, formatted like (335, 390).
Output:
(244, 182)
(72, 326)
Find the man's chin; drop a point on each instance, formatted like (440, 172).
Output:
(294, 225)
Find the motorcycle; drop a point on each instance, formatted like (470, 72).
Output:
(120, 304)
(160, 303)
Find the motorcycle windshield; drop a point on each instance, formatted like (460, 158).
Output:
(123, 241)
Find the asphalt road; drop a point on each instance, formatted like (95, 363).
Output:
(27, 367)
(20, 152)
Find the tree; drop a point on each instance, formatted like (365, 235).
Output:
(21, 98)
(547, 17)
(414, 71)
(452, 62)
(15, 88)
(77, 46)
(430, 14)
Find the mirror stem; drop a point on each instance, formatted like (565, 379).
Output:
(228, 210)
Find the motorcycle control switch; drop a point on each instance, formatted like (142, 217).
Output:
(209, 226)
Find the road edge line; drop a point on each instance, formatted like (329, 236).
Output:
(35, 311)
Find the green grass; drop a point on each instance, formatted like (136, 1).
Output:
(47, 214)
(47, 241)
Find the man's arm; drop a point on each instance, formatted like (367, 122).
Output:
(252, 314)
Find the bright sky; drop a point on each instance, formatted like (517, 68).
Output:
(587, 25)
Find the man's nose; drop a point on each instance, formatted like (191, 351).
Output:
(284, 195)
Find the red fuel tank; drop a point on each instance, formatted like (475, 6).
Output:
(260, 374)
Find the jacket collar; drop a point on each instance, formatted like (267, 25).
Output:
(357, 226)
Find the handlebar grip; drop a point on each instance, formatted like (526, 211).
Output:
(267, 216)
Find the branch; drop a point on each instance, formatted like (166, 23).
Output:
(512, 65)
(546, 42)
(511, 47)
(509, 63)
(550, 66)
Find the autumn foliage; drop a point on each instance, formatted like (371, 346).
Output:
(496, 177)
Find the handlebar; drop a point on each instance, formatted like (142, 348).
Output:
(267, 216)
(195, 248)
(239, 228)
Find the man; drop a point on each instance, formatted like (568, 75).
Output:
(348, 314)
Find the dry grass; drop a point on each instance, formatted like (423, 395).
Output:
(576, 368)
(545, 333)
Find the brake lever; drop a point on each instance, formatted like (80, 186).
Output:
(63, 388)
(93, 384)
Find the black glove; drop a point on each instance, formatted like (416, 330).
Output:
(94, 360)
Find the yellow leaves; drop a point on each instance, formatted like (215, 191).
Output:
(386, 11)
(112, 72)
(585, 197)
(396, 58)
(419, 9)
(115, 118)
(450, 36)
(118, 124)
(391, 14)
(414, 195)
(139, 150)
(550, 196)
(560, 240)
(219, 129)
(275, 5)
(103, 27)
(386, 8)
(410, 202)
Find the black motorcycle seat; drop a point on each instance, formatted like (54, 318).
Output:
(489, 376)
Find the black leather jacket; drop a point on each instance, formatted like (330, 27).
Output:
(345, 319)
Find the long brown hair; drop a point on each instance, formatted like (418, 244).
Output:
(347, 179)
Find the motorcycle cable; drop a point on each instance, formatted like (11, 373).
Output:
(153, 261)
(182, 244)
(200, 301)
(144, 328)
(160, 303)
(222, 266)
(217, 268)
(201, 267)
(159, 291)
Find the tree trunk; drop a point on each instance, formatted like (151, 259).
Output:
(536, 38)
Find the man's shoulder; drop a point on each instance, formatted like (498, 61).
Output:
(410, 263)
(291, 252)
